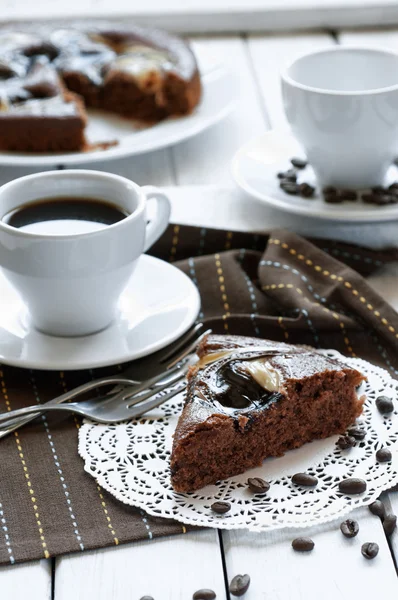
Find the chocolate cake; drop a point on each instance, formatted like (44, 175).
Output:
(248, 399)
(48, 77)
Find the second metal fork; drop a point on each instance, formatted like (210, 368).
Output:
(162, 361)
(128, 403)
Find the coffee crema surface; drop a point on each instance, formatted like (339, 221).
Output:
(65, 215)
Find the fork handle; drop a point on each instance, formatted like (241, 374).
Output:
(37, 409)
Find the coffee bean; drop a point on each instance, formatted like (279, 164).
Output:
(345, 441)
(386, 199)
(303, 544)
(378, 189)
(384, 405)
(348, 195)
(370, 198)
(389, 524)
(258, 485)
(204, 595)
(349, 528)
(352, 486)
(289, 175)
(299, 163)
(329, 190)
(305, 480)
(332, 198)
(370, 550)
(220, 507)
(356, 432)
(306, 190)
(393, 187)
(379, 199)
(146, 598)
(383, 455)
(289, 187)
(377, 508)
(239, 585)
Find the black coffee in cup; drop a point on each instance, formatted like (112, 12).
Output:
(64, 215)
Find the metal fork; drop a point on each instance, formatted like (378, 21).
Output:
(152, 365)
(128, 403)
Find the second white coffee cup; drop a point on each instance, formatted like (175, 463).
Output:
(71, 283)
(342, 104)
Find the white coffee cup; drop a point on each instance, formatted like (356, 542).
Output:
(342, 104)
(71, 283)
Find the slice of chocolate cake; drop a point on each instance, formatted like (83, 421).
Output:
(248, 399)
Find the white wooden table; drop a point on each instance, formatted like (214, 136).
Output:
(196, 174)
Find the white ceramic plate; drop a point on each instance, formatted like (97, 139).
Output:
(219, 93)
(256, 164)
(147, 321)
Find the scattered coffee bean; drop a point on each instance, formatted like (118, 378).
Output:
(379, 199)
(378, 189)
(370, 550)
(290, 175)
(305, 480)
(239, 585)
(220, 507)
(289, 187)
(348, 195)
(383, 455)
(352, 486)
(377, 508)
(204, 595)
(299, 163)
(306, 190)
(356, 432)
(258, 485)
(389, 524)
(349, 528)
(384, 405)
(346, 441)
(329, 189)
(369, 198)
(303, 544)
(333, 198)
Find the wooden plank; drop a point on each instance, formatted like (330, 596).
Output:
(226, 207)
(205, 158)
(391, 502)
(269, 54)
(167, 569)
(31, 580)
(334, 570)
(153, 168)
(218, 15)
(373, 37)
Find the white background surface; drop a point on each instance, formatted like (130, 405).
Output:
(198, 177)
(218, 15)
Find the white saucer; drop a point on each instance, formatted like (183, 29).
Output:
(158, 305)
(255, 167)
(218, 99)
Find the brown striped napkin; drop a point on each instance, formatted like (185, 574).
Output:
(278, 286)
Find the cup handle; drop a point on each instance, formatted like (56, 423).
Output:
(157, 226)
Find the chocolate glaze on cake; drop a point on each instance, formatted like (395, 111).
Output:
(248, 399)
(133, 71)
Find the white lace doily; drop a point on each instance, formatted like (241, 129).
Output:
(131, 461)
